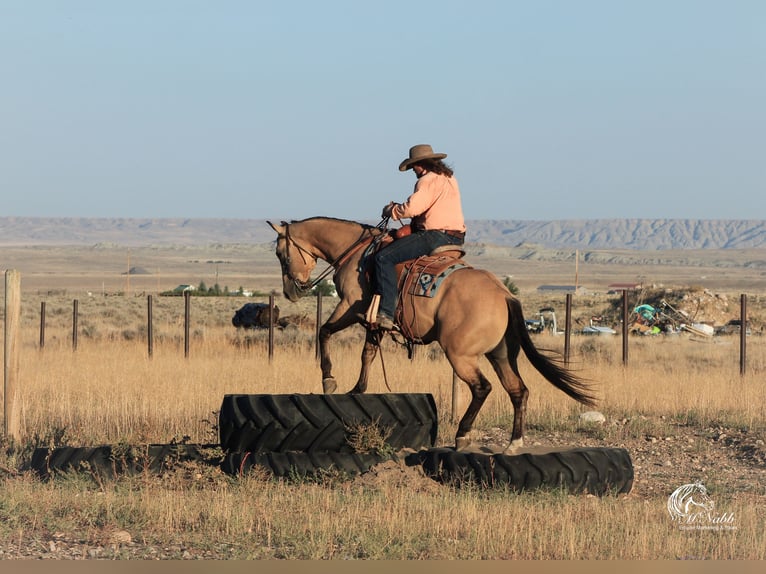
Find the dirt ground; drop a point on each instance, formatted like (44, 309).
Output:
(662, 462)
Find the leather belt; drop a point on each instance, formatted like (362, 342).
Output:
(450, 232)
(458, 234)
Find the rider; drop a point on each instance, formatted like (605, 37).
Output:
(436, 217)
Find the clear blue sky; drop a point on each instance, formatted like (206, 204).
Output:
(246, 109)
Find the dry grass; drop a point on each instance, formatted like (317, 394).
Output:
(110, 391)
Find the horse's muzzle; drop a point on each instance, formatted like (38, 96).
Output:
(292, 290)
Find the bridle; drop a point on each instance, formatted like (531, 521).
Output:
(304, 287)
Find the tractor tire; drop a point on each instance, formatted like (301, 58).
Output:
(323, 423)
(301, 464)
(110, 461)
(597, 471)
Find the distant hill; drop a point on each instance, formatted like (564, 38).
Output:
(638, 234)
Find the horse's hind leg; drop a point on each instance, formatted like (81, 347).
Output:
(503, 360)
(467, 368)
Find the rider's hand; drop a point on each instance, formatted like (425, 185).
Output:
(387, 210)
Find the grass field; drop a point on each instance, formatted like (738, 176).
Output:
(676, 407)
(109, 391)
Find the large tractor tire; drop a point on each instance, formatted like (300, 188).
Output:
(301, 464)
(596, 471)
(324, 423)
(110, 461)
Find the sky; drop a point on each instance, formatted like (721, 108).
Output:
(549, 109)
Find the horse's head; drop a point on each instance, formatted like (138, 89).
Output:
(297, 263)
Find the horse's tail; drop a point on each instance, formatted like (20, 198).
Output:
(549, 367)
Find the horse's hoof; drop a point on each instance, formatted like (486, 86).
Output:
(514, 447)
(329, 385)
(462, 442)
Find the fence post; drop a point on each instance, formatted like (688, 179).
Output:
(75, 316)
(11, 352)
(187, 316)
(742, 334)
(625, 327)
(149, 328)
(567, 327)
(42, 324)
(271, 326)
(319, 323)
(455, 392)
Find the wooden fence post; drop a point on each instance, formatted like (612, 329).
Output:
(11, 356)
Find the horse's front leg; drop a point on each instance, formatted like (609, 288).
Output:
(325, 362)
(339, 320)
(370, 350)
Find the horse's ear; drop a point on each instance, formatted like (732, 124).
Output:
(280, 229)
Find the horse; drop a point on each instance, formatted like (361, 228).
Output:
(471, 315)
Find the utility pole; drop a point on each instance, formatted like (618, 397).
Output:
(577, 264)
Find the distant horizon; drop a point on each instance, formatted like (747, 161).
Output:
(612, 233)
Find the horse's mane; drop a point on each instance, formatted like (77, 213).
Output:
(339, 220)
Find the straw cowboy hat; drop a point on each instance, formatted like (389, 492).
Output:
(419, 153)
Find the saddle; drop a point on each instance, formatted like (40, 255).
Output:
(420, 277)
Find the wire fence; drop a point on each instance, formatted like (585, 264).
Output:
(654, 318)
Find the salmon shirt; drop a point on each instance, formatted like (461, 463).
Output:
(435, 204)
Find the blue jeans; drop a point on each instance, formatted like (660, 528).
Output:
(409, 247)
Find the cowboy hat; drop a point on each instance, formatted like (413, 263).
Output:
(419, 153)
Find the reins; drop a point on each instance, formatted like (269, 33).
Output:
(334, 265)
(304, 288)
(379, 338)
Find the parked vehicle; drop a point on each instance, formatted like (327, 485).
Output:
(546, 321)
(593, 328)
(733, 327)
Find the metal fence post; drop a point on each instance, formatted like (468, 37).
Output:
(271, 326)
(625, 327)
(319, 323)
(149, 328)
(42, 324)
(187, 317)
(743, 334)
(75, 317)
(567, 327)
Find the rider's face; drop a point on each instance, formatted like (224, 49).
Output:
(419, 170)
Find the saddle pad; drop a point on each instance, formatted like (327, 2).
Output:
(423, 276)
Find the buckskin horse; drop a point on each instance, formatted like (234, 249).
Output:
(471, 314)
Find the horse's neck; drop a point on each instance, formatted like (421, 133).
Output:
(332, 241)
